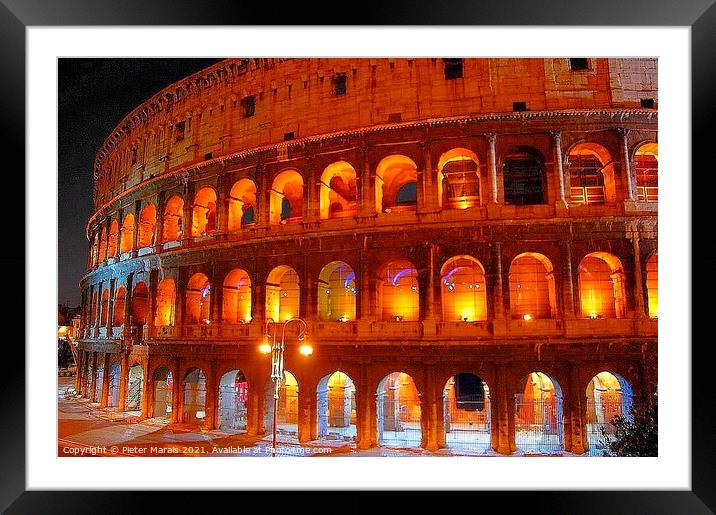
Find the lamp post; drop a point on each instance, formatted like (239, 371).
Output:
(276, 348)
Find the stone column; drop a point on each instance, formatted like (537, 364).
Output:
(492, 166)
(222, 208)
(624, 133)
(177, 391)
(312, 193)
(152, 302)
(366, 295)
(367, 183)
(135, 232)
(104, 397)
(306, 410)
(78, 374)
(568, 307)
(110, 308)
(427, 190)
(128, 307)
(211, 397)
(559, 169)
(639, 297)
(187, 213)
(123, 383)
(430, 413)
(503, 413)
(365, 399)
(575, 413)
(263, 197)
(98, 321)
(217, 297)
(180, 298)
(499, 289)
(258, 302)
(159, 226)
(147, 402)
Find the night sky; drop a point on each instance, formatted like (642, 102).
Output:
(93, 96)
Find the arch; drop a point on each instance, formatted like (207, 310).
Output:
(119, 304)
(94, 253)
(539, 423)
(393, 173)
(337, 292)
(113, 392)
(646, 172)
(463, 291)
(147, 224)
(467, 413)
(113, 237)
(283, 294)
(532, 287)
(336, 407)
(135, 388)
(194, 409)
(163, 392)
(459, 179)
(198, 300)
(103, 245)
(524, 178)
(339, 189)
(287, 418)
(233, 396)
(398, 297)
(608, 395)
(94, 307)
(203, 218)
(105, 308)
(172, 229)
(591, 174)
(166, 293)
(127, 234)
(140, 303)
(652, 284)
(286, 202)
(236, 307)
(601, 286)
(242, 204)
(398, 411)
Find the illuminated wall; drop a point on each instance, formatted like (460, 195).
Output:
(147, 221)
(463, 291)
(286, 203)
(394, 172)
(591, 174)
(288, 400)
(140, 303)
(400, 398)
(606, 398)
(105, 307)
(119, 302)
(398, 291)
(242, 199)
(93, 310)
(532, 289)
(236, 307)
(457, 414)
(172, 230)
(113, 237)
(283, 294)
(646, 170)
(539, 397)
(194, 396)
(652, 285)
(103, 245)
(125, 244)
(338, 191)
(459, 179)
(166, 291)
(198, 299)
(337, 292)
(204, 212)
(601, 286)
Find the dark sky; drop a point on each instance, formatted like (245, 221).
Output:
(93, 96)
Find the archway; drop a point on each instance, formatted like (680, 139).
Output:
(113, 237)
(242, 204)
(163, 390)
(532, 288)
(165, 303)
(287, 419)
(467, 413)
(462, 289)
(286, 202)
(103, 244)
(398, 292)
(591, 175)
(119, 301)
(524, 179)
(236, 307)
(147, 221)
(608, 395)
(134, 391)
(538, 415)
(283, 294)
(396, 174)
(198, 299)
(194, 411)
(127, 234)
(336, 407)
(173, 216)
(601, 286)
(203, 219)
(338, 191)
(646, 171)
(458, 179)
(337, 292)
(140, 303)
(113, 393)
(398, 411)
(233, 396)
(99, 374)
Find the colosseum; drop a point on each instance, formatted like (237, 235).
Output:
(469, 245)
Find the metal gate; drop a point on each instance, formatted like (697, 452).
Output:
(599, 417)
(113, 396)
(98, 385)
(195, 401)
(467, 427)
(134, 395)
(163, 398)
(539, 425)
(398, 421)
(232, 406)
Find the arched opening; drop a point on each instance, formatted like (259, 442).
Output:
(462, 289)
(242, 204)
(165, 302)
(338, 191)
(236, 307)
(398, 411)
(398, 292)
(203, 220)
(336, 407)
(173, 216)
(100, 380)
(396, 184)
(337, 292)
(601, 286)
(103, 245)
(140, 304)
(287, 418)
(646, 171)
(591, 175)
(233, 396)
(194, 411)
(113, 393)
(608, 395)
(105, 307)
(652, 284)
(198, 299)
(524, 179)
(113, 237)
(134, 391)
(467, 414)
(539, 424)
(94, 252)
(119, 302)
(283, 294)
(532, 287)
(147, 223)
(125, 243)
(286, 203)
(459, 179)
(93, 310)
(163, 390)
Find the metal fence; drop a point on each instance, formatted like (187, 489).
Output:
(398, 422)
(194, 401)
(113, 396)
(98, 384)
(232, 408)
(162, 399)
(467, 427)
(600, 413)
(134, 394)
(539, 425)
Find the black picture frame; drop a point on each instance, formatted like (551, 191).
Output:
(699, 15)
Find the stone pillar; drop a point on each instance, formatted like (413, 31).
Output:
(159, 226)
(177, 391)
(430, 412)
(263, 197)
(366, 295)
(147, 402)
(559, 169)
(253, 406)
(222, 207)
(568, 307)
(100, 307)
(123, 383)
(367, 183)
(312, 193)
(258, 302)
(187, 213)
(135, 232)
(499, 289)
(639, 295)
(78, 376)
(212, 398)
(575, 417)
(180, 298)
(427, 187)
(366, 436)
(628, 173)
(306, 410)
(110, 308)
(152, 302)
(128, 307)
(104, 396)
(503, 413)
(217, 297)
(492, 167)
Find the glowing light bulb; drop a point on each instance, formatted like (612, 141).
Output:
(527, 316)
(343, 318)
(264, 348)
(306, 349)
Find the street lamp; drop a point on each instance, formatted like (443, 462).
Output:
(276, 349)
